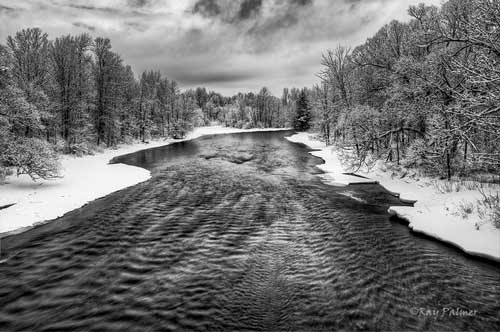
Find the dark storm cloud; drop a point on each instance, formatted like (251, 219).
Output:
(6, 9)
(356, 4)
(138, 3)
(85, 26)
(283, 18)
(9, 10)
(108, 10)
(258, 25)
(249, 8)
(227, 45)
(118, 12)
(136, 26)
(210, 77)
(235, 11)
(302, 2)
(208, 8)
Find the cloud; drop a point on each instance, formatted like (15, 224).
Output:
(227, 45)
(208, 8)
(7, 9)
(85, 26)
(213, 77)
(261, 12)
(249, 8)
(138, 3)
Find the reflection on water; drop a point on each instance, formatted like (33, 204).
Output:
(236, 232)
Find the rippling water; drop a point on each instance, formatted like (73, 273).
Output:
(236, 232)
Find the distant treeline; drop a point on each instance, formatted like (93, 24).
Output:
(424, 93)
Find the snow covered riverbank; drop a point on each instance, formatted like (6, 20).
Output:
(84, 179)
(436, 213)
(335, 173)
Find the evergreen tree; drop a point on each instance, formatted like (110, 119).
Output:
(302, 112)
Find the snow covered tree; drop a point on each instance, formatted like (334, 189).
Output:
(431, 82)
(19, 119)
(185, 112)
(108, 74)
(325, 112)
(71, 70)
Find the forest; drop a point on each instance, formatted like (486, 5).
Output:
(423, 93)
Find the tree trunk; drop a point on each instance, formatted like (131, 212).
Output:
(397, 147)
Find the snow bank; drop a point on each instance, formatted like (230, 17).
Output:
(434, 213)
(84, 179)
(437, 214)
(335, 174)
(430, 219)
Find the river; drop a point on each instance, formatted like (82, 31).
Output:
(237, 232)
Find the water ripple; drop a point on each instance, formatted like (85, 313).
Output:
(210, 244)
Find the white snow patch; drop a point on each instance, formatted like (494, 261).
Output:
(434, 213)
(84, 179)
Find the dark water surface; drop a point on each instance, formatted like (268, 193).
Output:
(236, 232)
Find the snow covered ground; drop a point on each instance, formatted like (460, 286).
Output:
(436, 213)
(84, 179)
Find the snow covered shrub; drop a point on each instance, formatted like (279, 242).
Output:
(354, 162)
(260, 125)
(416, 155)
(465, 209)
(420, 155)
(453, 185)
(31, 156)
(180, 129)
(489, 207)
(495, 215)
(240, 124)
(4, 172)
(81, 148)
(198, 118)
(247, 125)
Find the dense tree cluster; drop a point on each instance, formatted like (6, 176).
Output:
(72, 93)
(248, 110)
(426, 92)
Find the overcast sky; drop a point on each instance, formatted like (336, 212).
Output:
(225, 45)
